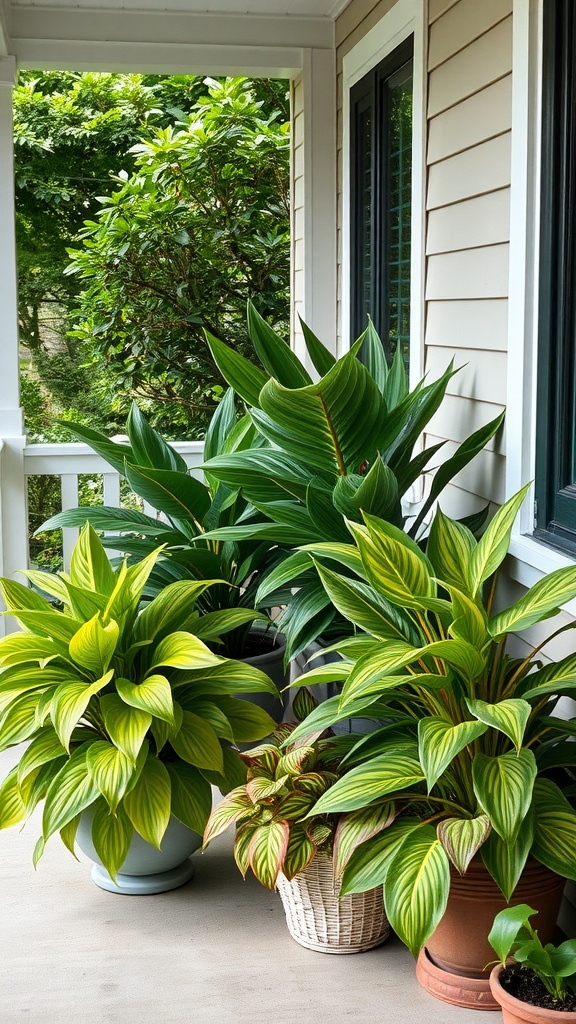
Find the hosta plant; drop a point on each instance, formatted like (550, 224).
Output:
(125, 712)
(275, 830)
(470, 757)
(333, 447)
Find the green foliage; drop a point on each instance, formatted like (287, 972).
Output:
(112, 700)
(472, 750)
(555, 966)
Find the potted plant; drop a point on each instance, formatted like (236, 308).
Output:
(302, 856)
(326, 450)
(533, 983)
(127, 714)
(470, 757)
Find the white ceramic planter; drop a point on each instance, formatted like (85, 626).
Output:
(146, 870)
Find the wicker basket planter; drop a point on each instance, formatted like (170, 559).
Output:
(319, 920)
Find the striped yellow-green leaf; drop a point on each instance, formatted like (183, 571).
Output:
(94, 644)
(294, 805)
(368, 865)
(234, 807)
(439, 742)
(555, 829)
(111, 835)
(378, 777)
(44, 747)
(393, 563)
(557, 677)
(508, 716)
(231, 677)
(296, 761)
(111, 771)
(503, 787)
(262, 788)
(328, 713)
(417, 886)
(463, 837)
(300, 851)
(17, 597)
(191, 795)
(267, 850)
(70, 792)
(153, 695)
(126, 725)
(470, 623)
(212, 713)
(493, 546)
(12, 806)
(216, 624)
(56, 625)
(172, 609)
(19, 720)
(184, 651)
(360, 604)
(197, 743)
(547, 595)
(357, 827)
(19, 648)
(68, 834)
(148, 803)
(48, 583)
(242, 841)
(506, 861)
(247, 721)
(449, 548)
(90, 568)
(69, 703)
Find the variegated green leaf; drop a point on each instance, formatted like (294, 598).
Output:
(261, 788)
(503, 787)
(183, 651)
(376, 778)
(17, 597)
(236, 806)
(416, 887)
(126, 725)
(94, 644)
(248, 722)
(53, 624)
(393, 563)
(68, 834)
(197, 743)
(44, 747)
(172, 609)
(111, 835)
(368, 865)
(19, 721)
(361, 604)
(450, 546)
(555, 829)
(267, 851)
(508, 716)
(296, 761)
(70, 792)
(20, 648)
(544, 597)
(439, 742)
(153, 695)
(230, 678)
(110, 770)
(462, 838)
(191, 796)
(48, 583)
(492, 548)
(301, 850)
(242, 841)
(470, 623)
(90, 569)
(294, 805)
(148, 803)
(557, 677)
(506, 861)
(12, 806)
(357, 827)
(70, 702)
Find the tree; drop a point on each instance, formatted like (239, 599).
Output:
(200, 226)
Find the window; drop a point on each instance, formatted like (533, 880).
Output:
(555, 517)
(381, 189)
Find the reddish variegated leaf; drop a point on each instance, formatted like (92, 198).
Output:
(283, 731)
(463, 837)
(295, 762)
(261, 789)
(267, 850)
(319, 832)
(234, 807)
(313, 782)
(264, 758)
(356, 827)
(242, 841)
(294, 806)
(300, 852)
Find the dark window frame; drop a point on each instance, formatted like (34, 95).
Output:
(370, 97)
(555, 486)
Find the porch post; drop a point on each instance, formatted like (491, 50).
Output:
(318, 260)
(13, 506)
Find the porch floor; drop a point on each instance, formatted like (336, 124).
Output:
(216, 951)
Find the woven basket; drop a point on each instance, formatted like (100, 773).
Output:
(317, 919)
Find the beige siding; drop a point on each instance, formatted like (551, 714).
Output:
(462, 24)
(485, 61)
(482, 116)
(481, 169)
(483, 220)
(467, 324)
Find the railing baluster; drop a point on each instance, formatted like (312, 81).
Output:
(111, 494)
(69, 492)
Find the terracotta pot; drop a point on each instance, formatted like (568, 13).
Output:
(516, 1012)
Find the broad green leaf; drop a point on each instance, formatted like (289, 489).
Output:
(93, 645)
(44, 747)
(344, 554)
(355, 828)
(322, 358)
(191, 796)
(249, 722)
(242, 375)
(70, 792)
(503, 787)
(19, 722)
(363, 606)
(211, 712)
(328, 713)
(494, 543)
(376, 778)
(300, 851)
(373, 357)
(396, 388)
(555, 829)
(220, 426)
(51, 624)
(275, 354)
(70, 702)
(449, 548)
(288, 569)
(148, 803)
(12, 806)
(375, 493)
(20, 648)
(127, 726)
(417, 887)
(110, 770)
(103, 517)
(393, 563)
(183, 651)
(68, 834)
(506, 861)
(178, 495)
(148, 447)
(462, 838)
(439, 742)
(17, 597)
(111, 835)
(368, 865)
(507, 924)
(197, 743)
(90, 568)
(547, 595)
(114, 453)
(267, 850)
(470, 623)
(171, 610)
(230, 677)
(508, 716)
(557, 677)
(48, 583)
(213, 625)
(153, 695)
(236, 806)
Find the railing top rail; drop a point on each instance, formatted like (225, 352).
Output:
(76, 457)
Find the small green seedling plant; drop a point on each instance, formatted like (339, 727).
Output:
(512, 935)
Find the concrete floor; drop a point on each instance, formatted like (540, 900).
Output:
(216, 951)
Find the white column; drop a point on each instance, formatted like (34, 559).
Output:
(320, 195)
(13, 505)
